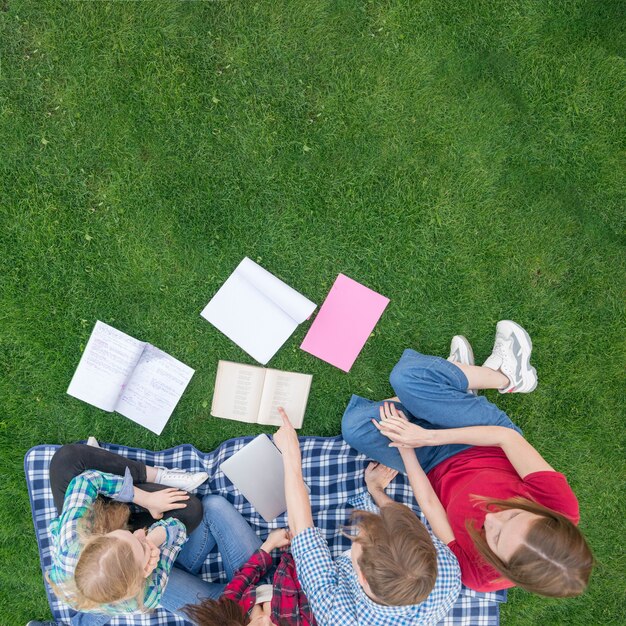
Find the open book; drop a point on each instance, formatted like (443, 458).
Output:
(120, 373)
(252, 394)
(257, 311)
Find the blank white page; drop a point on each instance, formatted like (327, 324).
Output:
(108, 360)
(294, 304)
(249, 318)
(154, 389)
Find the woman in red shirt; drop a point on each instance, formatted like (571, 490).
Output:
(507, 515)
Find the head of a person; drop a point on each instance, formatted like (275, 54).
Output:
(226, 612)
(534, 547)
(114, 562)
(393, 555)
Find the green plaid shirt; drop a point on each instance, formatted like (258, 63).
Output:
(66, 545)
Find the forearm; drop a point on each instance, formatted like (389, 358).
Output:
(157, 536)
(380, 497)
(426, 497)
(141, 497)
(498, 436)
(297, 496)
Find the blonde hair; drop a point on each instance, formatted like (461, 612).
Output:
(398, 558)
(553, 559)
(106, 571)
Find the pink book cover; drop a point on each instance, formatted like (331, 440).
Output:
(344, 323)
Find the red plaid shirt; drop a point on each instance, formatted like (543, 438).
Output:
(288, 600)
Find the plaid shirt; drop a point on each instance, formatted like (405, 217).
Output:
(288, 600)
(338, 599)
(66, 545)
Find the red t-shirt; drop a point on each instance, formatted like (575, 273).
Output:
(485, 471)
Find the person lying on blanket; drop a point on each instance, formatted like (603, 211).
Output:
(246, 561)
(104, 560)
(507, 515)
(395, 574)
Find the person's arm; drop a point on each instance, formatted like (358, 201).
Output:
(426, 497)
(522, 456)
(296, 493)
(158, 502)
(317, 574)
(249, 574)
(377, 478)
(316, 571)
(175, 536)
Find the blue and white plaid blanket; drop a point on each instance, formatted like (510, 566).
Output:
(332, 470)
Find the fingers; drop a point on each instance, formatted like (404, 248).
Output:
(284, 415)
(372, 466)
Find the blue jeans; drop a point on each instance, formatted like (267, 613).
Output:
(90, 619)
(433, 393)
(223, 525)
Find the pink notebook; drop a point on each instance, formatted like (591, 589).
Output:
(344, 323)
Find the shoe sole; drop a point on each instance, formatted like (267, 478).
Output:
(468, 347)
(470, 356)
(529, 373)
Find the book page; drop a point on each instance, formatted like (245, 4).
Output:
(107, 361)
(154, 389)
(287, 389)
(238, 390)
(294, 304)
(248, 318)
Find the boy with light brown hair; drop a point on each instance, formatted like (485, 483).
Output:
(396, 573)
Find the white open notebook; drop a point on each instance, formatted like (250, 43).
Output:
(252, 394)
(257, 311)
(120, 373)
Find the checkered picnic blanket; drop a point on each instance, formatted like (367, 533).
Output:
(332, 470)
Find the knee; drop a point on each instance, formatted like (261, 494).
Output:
(399, 379)
(214, 506)
(66, 456)
(354, 423)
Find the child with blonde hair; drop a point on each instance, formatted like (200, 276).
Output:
(109, 558)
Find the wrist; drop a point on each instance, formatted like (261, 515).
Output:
(140, 497)
(375, 489)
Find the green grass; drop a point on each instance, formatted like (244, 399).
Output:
(466, 159)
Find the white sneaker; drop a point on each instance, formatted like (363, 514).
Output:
(181, 479)
(93, 442)
(511, 356)
(461, 352)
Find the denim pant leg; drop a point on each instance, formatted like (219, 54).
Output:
(185, 588)
(223, 525)
(433, 393)
(90, 619)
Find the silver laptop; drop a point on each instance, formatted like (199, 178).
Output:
(257, 471)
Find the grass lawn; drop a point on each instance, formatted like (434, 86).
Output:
(466, 159)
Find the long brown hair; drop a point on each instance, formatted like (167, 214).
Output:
(106, 571)
(553, 559)
(222, 612)
(399, 560)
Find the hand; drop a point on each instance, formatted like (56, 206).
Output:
(378, 476)
(279, 538)
(286, 439)
(403, 434)
(158, 502)
(155, 554)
